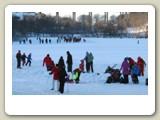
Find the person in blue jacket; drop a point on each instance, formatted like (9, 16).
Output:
(134, 73)
(29, 59)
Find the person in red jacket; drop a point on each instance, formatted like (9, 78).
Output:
(131, 62)
(55, 72)
(141, 63)
(48, 61)
(81, 66)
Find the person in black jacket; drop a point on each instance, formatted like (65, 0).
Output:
(19, 58)
(61, 62)
(62, 75)
(69, 61)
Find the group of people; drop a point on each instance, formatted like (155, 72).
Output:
(25, 40)
(21, 59)
(135, 69)
(59, 73)
(128, 67)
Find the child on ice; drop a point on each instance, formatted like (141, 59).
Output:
(81, 66)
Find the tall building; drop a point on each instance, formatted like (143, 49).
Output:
(57, 17)
(74, 16)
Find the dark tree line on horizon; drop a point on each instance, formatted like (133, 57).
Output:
(84, 25)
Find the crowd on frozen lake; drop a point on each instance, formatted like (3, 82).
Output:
(35, 79)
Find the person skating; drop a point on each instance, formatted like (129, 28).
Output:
(29, 59)
(24, 59)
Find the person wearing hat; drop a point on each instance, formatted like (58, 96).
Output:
(125, 67)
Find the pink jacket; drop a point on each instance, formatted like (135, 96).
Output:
(125, 67)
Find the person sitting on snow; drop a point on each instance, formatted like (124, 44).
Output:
(76, 74)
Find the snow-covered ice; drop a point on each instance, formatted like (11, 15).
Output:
(35, 80)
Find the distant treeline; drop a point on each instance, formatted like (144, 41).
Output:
(116, 26)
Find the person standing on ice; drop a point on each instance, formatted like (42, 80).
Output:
(62, 75)
(88, 62)
(134, 73)
(29, 59)
(69, 61)
(81, 66)
(91, 64)
(141, 63)
(48, 61)
(61, 62)
(125, 67)
(24, 59)
(131, 62)
(19, 57)
(55, 72)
